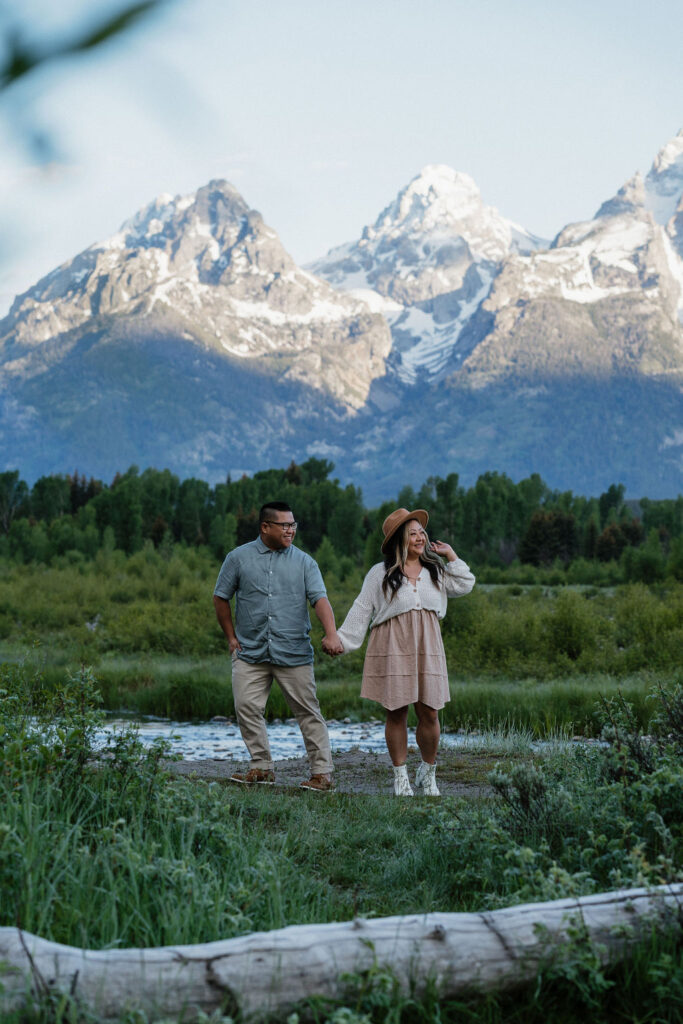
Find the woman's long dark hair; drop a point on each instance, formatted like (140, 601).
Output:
(395, 559)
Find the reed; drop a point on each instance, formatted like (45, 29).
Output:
(150, 607)
(180, 689)
(110, 850)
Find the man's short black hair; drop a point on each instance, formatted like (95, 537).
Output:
(272, 506)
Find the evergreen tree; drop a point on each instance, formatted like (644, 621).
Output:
(222, 534)
(193, 510)
(51, 497)
(611, 500)
(13, 498)
(551, 536)
(326, 557)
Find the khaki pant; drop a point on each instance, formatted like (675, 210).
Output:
(251, 685)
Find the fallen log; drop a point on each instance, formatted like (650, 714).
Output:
(270, 971)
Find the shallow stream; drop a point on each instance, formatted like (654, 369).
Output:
(220, 738)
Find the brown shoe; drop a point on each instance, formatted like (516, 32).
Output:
(318, 783)
(255, 776)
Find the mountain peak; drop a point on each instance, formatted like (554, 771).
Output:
(208, 209)
(671, 153)
(436, 198)
(440, 180)
(427, 263)
(664, 182)
(629, 198)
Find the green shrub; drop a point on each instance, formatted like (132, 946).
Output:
(103, 849)
(163, 606)
(569, 628)
(649, 627)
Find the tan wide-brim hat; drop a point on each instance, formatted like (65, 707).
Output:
(397, 519)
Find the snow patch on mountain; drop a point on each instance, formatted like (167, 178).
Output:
(207, 265)
(675, 264)
(629, 247)
(426, 264)
(325, 312)
(436, 346)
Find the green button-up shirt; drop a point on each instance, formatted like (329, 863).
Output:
(271, 612)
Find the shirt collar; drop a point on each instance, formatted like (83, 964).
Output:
(263, 549)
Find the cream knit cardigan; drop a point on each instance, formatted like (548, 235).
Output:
(371, 606)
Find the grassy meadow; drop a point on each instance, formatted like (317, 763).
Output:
(133, 856)
(117, 852)
(529, 656)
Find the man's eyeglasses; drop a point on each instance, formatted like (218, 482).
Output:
(287, 527)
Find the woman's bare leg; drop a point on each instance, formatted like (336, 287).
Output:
(428, 731)
(396, 735)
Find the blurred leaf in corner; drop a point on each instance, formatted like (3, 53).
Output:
(21, 58)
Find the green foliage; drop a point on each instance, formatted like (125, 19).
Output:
(663, 515)
(103, 848)
(646, 564)
(42, 730)
(616, 538)
(559, 537)
(51, 497)
(222, 534)
(649, 626)
(326, 558)
(571, 628)
(147, 622)
(611, 502)
(551, 535)
(606, 818)
(13, 498)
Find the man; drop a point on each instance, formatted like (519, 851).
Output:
(270, 639)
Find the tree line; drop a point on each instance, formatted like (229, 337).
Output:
(495, 522)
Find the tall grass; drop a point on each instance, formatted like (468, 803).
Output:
(566, 706)
(540, 658)
(147, 604)
(113, 852)
(182, 688)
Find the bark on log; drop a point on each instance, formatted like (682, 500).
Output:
(269, 971)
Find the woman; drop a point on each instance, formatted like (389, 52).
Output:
(402, 599)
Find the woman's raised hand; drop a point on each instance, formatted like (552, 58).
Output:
(439, 547)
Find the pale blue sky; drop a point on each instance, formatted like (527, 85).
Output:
(318, 111)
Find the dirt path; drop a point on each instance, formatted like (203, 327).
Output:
(460, 773)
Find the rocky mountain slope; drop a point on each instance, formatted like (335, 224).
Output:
(427, 263)
(445, 339)
(606, 297)
(206, 269)
(467, 292)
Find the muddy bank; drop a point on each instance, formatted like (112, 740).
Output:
(459, 773)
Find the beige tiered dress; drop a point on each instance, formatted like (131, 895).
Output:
(405, 661)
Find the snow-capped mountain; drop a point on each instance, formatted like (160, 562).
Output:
(606, 297)
(190, 339)
(427, 263)
(208, 269)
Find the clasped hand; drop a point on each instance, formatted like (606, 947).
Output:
(332, 646)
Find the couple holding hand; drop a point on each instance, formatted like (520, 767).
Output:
(402, 599)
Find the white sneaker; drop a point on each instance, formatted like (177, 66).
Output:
(425, 779)
(401, 781)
